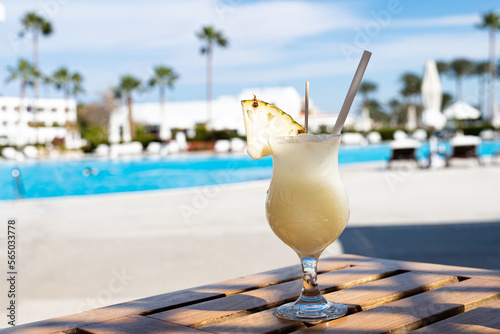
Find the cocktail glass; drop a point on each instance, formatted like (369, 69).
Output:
(307, 208)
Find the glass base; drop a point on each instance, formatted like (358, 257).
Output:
(300, 311)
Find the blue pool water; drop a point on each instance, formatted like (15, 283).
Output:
(69, 178)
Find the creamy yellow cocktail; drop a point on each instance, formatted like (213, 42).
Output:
(306, 206)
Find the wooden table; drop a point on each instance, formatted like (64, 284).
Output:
(382, 296)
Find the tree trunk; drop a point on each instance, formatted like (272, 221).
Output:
(163, 116)
(459, 88)
(19, 132)
(23, 96)
(491, 88)
(481, 95)
(209, 84)
(130, 120)
(35, 64)
(66, 97)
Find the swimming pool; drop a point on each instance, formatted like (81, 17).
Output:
(100, 176)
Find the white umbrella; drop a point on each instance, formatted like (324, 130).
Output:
(2, 12)
(461, 110)
(496, 118)
(411, 118)
(431, 97)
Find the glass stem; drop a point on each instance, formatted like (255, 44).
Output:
(310, 291)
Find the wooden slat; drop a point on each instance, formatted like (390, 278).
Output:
(430, 267)
(203, 314)
(411, 313)
(484, 319)
(173, 299)
(135, 324)
(358, 298)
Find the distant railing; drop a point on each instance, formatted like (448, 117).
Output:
(18, 185)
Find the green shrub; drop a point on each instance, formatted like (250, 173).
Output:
(202, 134)
(94, 135)
(476, 130)
(388, 133)
(142, 136)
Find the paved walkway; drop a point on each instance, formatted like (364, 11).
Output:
(84, 252)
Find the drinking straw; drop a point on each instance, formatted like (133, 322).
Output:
(306, 107)
(351, 93)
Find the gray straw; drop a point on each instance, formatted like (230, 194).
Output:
(351, 93)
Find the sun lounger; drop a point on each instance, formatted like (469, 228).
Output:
(403, 149)
(353, 138)
(464, 147)
(238, 145)
(31, 152)
(374, 137)
(222, 146)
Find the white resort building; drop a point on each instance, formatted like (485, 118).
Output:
(29, 121)
(226, 113)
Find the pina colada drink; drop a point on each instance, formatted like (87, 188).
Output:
(307, 206)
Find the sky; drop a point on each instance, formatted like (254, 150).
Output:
(271, 43)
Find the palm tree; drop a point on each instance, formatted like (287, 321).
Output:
(397, 111)
(461, 67)
(411, 86)
(36, 25)
(446, 100)
(210, 37)
(366, 88)
(491, 21)
(163, 77)
(77, 85)
(47, 81)
(442, 66)
(128, 84)
(62, 81)
(481, 69)
(26, 74)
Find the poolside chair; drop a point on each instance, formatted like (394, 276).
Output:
(222, 146)
(238, 145)
(403, 150)
(31, 152)
(374, 137)
(353, 138)
(153, 147)
(464, 147)
(102, 150)
(420, 135)
(12, 154)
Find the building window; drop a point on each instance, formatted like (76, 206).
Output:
(28, 108)
(16, 108)
(4, 108)
(54, 109)
(4, 123)
(41, 109)
(66, 110)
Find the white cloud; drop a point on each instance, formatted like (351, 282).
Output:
(442, 21)
(270, 41)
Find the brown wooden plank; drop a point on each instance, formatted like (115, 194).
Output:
(137, 324)
(431, 268)
(172, 299)
(203, 314)
(411, 313)
(484, 319)
(358, 298)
